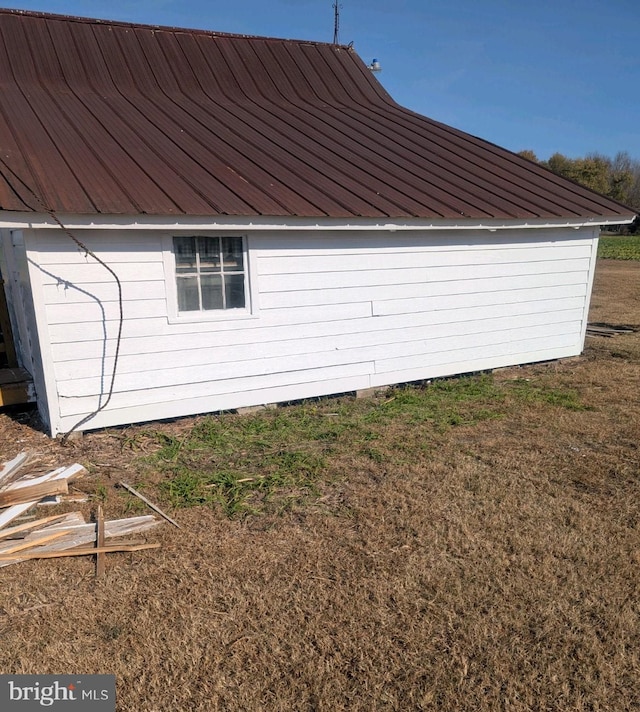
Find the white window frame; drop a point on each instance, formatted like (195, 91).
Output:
(250, 309)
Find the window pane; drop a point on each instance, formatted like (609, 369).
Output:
(232, 253)
(188, 294)
(211, 291)
(209, 248)
(185, 252)
(234, 290)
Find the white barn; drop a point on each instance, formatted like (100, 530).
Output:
(278, 226)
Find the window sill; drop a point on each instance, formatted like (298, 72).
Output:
(212, 316)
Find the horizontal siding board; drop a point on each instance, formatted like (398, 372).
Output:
(54, 256)
(93, 311)
(541, 340)
(480, 287)
(444, 273)
(233, 378)
(473, 363)
(89, 274)
(499, 316)
(368, 261)
(216, 354)
(104, 291)
(139, 379)
(130, 408)
(151, 327)
(338, 280)
(545, 296)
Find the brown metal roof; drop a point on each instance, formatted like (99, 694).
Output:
(113, 118)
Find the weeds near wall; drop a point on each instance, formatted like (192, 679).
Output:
(277, 459)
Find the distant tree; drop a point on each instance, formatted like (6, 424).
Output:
(561, 165)
(621, 177)
(617, 178)
(529, 155)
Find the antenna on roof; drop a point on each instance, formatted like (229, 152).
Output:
(336, 21)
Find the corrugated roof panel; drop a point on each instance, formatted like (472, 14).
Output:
(107, 117)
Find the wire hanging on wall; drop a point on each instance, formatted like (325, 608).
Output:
(52, 214)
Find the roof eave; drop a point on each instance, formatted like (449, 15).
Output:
(23, 220)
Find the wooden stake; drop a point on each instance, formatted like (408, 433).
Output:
(81, 552)
(148, 503)
(100, 557)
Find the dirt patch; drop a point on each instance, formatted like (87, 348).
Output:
(479, 556)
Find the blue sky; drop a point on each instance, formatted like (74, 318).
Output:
(547, 75)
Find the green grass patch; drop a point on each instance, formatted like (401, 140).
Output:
(444, 403)
(279, 458)
(525, 391)
(619, 247)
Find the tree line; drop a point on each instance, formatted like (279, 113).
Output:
(617, 177)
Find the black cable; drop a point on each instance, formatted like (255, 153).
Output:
(89, 252)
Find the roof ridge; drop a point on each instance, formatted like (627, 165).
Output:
(162, 28)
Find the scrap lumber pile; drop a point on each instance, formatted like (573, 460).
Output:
(609, 330)
(22, 487)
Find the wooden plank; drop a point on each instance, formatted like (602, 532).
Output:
(30, 543)
(11, 513)
(149, 504)
(60, 473)
(17, 393)
(100, 557)
(33, 493)
(79, 552)
(34, 525)
(82, 533)
(12, 467)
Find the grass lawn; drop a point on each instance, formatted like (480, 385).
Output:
(619, 247)
(471, 544)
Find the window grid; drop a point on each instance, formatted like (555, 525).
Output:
(234, 247)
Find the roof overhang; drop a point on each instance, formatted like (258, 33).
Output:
(16, 220)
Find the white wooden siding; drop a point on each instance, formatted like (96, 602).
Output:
(338, 312)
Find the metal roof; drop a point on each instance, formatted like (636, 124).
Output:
(114, 118)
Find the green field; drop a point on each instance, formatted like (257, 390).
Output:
(619, 247)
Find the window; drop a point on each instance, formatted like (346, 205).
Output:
(210, 273)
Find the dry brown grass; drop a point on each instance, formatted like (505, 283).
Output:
(490, 565)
